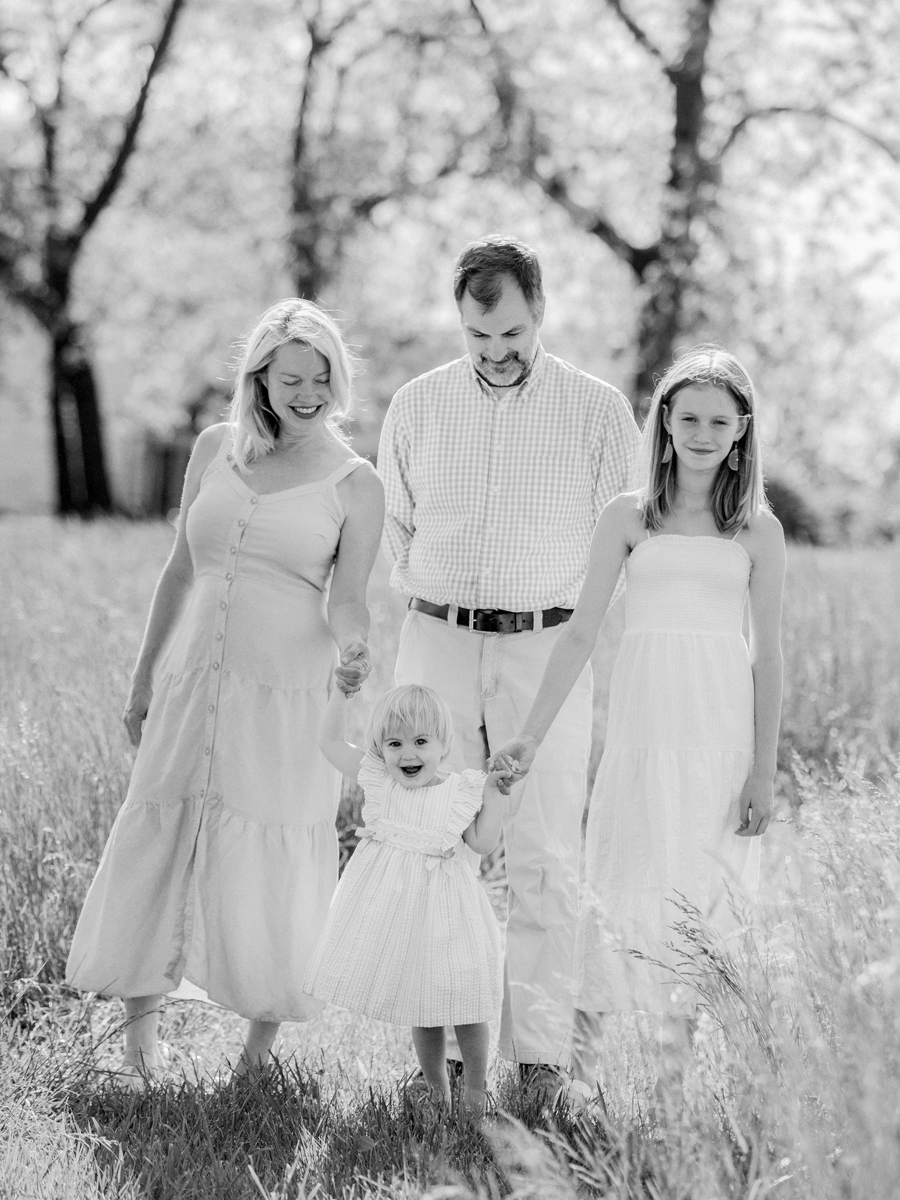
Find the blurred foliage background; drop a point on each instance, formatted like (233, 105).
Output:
(688, 170)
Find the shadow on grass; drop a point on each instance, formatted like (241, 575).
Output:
(286, 1137)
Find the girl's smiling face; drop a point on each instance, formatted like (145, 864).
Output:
(413, 758)
(704, 422)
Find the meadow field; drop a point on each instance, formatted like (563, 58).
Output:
(794, 1090)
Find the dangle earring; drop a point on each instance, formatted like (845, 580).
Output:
(667, 453)
(733, 458)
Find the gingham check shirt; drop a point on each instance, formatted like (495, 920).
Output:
(492, 500)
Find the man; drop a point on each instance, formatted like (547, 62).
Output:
(496, 467)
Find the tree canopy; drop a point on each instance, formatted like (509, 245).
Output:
(701, 170)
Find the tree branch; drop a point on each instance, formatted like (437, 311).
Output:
(93, 208)
(818, 111)
(637, 32)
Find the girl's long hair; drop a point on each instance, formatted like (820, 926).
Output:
(736, 495)
(253, 423)
(411, 707)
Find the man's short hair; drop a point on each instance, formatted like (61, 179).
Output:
(481, 267)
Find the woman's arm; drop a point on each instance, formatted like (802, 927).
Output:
(333, 743)
(615, 534)
(362, 495)
(173, 585)
(766, 587)
(483, 834)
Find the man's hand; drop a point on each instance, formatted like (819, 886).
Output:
(353, 669)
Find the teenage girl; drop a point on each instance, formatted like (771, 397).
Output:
(685, 784)
(410, 936)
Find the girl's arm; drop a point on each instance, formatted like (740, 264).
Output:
(342, 755)
(362, 495)
(483, 834)
(766, 588)
(616, 532)
(173, 586)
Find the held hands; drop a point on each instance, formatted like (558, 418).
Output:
(136, 709)
(503, 777)
(353, 669)
(756, 807)
(514, 758)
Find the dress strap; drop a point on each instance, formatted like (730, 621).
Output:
(226, 444)
(344, 470)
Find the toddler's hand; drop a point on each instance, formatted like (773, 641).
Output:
(517, 755)
(353, 669)
(504, 775)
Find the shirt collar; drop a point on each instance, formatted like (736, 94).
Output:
(523, 391)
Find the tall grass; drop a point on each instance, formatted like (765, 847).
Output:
(793, 1090)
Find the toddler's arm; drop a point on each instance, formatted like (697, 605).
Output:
(484, 832)
(332, 740)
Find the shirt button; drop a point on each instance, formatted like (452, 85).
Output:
(212, 708)
(495, 490)
(219, 637)
(234, 549)
(215, 666)
(202, 793)
(222, 604)
(206, 751)
(242, 522)
(255, 500)
(230, 575)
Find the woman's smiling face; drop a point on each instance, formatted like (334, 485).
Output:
(298, 382)
(705, 422)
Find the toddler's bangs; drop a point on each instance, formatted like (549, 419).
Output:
(412, 708)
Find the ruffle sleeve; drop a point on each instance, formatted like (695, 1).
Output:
(372, 778)
(465, 804)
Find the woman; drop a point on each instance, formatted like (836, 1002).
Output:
(219, 869)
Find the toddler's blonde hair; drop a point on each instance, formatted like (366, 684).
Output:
(412, 707)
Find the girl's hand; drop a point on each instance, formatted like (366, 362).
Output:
(516, 756)
(136, 707)
(353, 669)
(757, 802)
(502, 777)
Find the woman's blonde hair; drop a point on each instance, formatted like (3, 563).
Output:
(411, 707)
(736, 495)
(254, 425)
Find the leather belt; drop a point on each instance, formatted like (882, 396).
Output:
(492, 620)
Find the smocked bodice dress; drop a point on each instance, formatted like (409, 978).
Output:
(220, 867)
(679, 749)
(411, 936)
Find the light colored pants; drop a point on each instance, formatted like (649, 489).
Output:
(489, 681)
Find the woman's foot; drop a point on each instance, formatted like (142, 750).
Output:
(139, 1069)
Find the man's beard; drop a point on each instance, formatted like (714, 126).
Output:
(486, 368)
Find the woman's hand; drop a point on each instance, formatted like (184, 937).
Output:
(757, 801)
(136, 707)
(353, 669)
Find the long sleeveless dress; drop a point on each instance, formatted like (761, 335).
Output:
(411, 936)
(219, 869)
(665, 804)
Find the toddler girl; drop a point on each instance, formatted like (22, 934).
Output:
(410, 936)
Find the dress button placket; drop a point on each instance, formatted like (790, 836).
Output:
(219, 632)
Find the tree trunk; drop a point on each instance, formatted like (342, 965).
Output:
(82, 480)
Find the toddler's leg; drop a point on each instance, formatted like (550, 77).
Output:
(431, 1050)
(141, 1037)
(257, 1046)
(473, 1045)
